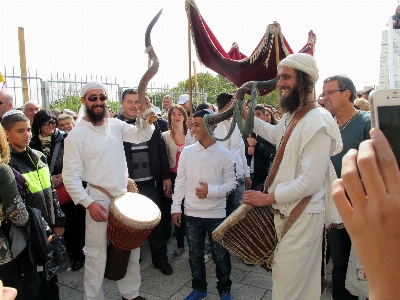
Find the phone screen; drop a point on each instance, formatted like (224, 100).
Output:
(389, 123)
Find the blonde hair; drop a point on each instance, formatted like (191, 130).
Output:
(62, 117)
(362, 104)
(4, 148)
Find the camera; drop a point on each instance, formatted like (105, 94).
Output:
(385, 115)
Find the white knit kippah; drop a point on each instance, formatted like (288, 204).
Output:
(90, 86)
(12, 112)
(303, 62)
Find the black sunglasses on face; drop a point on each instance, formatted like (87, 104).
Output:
(47, 123)
(1, 102)
(93, 98)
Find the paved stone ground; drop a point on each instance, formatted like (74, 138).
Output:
(249, 282)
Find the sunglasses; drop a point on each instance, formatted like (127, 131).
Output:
(93, 98)
(47, 123)
(1, 102)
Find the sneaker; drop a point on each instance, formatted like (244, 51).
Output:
(196, 295)
(226, 296)
(178, 253)
(207, 257)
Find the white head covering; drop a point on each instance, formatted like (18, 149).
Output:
(86, 88)
(12, 112)
(303, 62)
(90, 86)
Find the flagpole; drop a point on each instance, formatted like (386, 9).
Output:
(190, 62)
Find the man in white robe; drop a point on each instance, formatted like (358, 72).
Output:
(304, 171)
(94, 153)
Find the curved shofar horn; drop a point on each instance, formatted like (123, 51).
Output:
(145, 109)
(261, 85)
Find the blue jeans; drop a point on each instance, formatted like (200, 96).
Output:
(339, 244)
(196, 229)
(235, 197)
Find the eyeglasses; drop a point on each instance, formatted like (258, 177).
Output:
(93, 98)
(33, 109)
(330, 93)
(1, 102)
(47, 123)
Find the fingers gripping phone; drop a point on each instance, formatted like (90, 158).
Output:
(385, 115)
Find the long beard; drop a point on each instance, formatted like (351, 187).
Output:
(96, 116)
(291, 102)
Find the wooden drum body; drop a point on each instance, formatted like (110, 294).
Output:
(249, 233)
(132, 218)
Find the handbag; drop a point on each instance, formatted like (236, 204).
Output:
(57, 258)
(63, 196)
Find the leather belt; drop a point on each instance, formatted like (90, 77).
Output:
(103, 190)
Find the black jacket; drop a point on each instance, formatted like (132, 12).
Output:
(57, 136)
(264, 153)
(157, 151)
(32, 165)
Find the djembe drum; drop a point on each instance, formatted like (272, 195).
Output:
(132, 218)
(249, 233)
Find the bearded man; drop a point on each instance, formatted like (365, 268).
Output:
(305, 170)
(94, 153)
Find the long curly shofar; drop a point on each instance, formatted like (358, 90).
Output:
(147, 112)
(261, 85)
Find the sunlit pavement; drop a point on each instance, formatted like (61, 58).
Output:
(249, 282)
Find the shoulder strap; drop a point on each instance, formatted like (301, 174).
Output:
(281, 150)
(300, 207)
(54, 156)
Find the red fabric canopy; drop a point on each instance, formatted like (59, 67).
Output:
(234, 65)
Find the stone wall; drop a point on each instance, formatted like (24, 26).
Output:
(384, 70)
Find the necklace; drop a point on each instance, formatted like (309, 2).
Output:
(341, 128)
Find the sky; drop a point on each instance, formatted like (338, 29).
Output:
(106, 38)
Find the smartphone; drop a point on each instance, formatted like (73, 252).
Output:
(385, 115)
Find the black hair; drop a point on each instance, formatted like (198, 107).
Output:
(201, 113)
(39, 118)
(128, 92)
(344, 83)
(260, 107)
(223, 99)
(203, 105)
(9, 121)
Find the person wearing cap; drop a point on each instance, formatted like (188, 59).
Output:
(94, 153)
(184, 100)
(6, 102)
(235, 145)
(304, 171)
(338, 98)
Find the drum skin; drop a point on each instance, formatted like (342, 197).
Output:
(125, 232)
(127, 229)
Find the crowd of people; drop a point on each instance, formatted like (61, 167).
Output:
(60, 170)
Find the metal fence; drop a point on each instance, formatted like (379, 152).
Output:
(62, 90)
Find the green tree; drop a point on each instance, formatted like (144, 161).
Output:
(213, 85)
